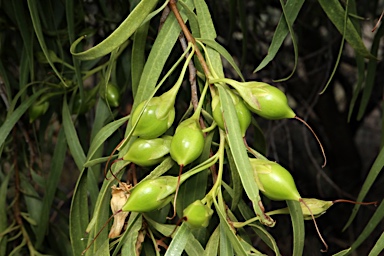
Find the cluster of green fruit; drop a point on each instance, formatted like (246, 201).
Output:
(152, 118)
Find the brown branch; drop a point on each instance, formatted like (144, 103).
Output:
(190, 38)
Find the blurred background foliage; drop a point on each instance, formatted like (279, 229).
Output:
(38, 172)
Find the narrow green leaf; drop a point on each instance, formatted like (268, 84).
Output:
(257, 228)
(239, 153)
(12, 119)
(371, 73)
(223, 52)
(292, 9)
(213, 243)
(3, 213)
(102, 135)
(179, 240)
(161, 49)
(138, 56)
(335, 13)
(231, 237)
(378, 247)
(207, 30)
(33, 10)
(72, 138)
(51, 186)
(130, 239)
(78, 217)
(343, 252)
(120, 35)
(192, 19)
(371, 178)
(376, 218)
(298, 226)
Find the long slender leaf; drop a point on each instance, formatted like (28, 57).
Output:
(371, 225)
(51, 186)
(33, 10)
(239, 153)
(371, 178)
(213, 243)
(207, 30)
(231, 238)
(298, 227)
(335, 13)
(378, 247)
(16, 115)
(292, 9)
(179, 241)
(3, 213)
(120, 35)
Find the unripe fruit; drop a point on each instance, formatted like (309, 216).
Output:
(155, 120)
(37, 110)
(188, 142)
(243, 114)
(276, 182)
(263, 99)
(112, 95)
(197, 215)
(148, 152)
(150, 195)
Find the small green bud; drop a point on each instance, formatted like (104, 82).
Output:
(112, 95)
(155, 120)
(243, 114)
(150, 195)
(318, 207)
(197, 215)
(148, 152)
(37, 110)
(188, 142)
(276, 182)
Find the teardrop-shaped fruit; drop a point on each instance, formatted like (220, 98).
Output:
(37, 110)
(150, 195)
(197, 214)
(243, 114)
(188, 142)
(113, 95)
(263, 99)
(148, 152)
(276, 182)
(154, 121)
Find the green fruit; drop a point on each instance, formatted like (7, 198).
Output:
(113, 95)
(150, 195)
(243, 114)
(197, 215)
(37, 110)
(148, 152)
(263, 99)
(155, 120)
(276, 182)
(188, 142)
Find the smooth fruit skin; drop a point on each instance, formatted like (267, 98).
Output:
(37, 110)
(152, 124)
(187, 143)
(148, 152)
(197, 215)
(276, 182)
(150, 195)
(265, 100)
(113, 95)
(243, 114)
